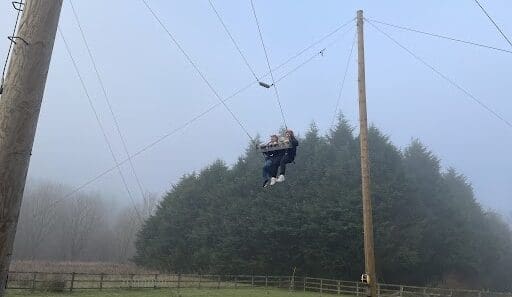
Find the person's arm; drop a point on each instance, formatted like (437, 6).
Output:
(294, 141)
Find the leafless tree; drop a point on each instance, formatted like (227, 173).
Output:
(38, 217)
(86, 227)
(84, 217)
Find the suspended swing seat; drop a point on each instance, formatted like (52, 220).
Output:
(282, 144)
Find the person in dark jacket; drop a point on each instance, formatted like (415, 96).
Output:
(289, 155)
(272, 162)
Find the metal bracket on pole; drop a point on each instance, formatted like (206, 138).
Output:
(13, 39)
(19, 6)
(365, 278)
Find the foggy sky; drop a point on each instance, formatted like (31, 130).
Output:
(153, 89)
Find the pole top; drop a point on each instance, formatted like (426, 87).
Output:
(359, 17)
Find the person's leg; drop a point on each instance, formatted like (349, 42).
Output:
(266, 172)
(274, 168)
(282, 169)
(282, 166)
(266, 169)
(273, 171)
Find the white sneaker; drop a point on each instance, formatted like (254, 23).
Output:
(280, 179)
(273, 181)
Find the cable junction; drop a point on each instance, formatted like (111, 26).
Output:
(96, 115)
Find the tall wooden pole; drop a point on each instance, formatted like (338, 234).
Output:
(369, 255)
(19, 111)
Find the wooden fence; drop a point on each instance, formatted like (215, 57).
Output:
(88, 281)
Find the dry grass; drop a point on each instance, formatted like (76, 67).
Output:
(79, 267)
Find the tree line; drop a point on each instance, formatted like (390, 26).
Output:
(429, 228)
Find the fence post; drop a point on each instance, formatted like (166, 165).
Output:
(155, 281)
(378, 290)
(266, 281)
(72, 282)
(305, 281)
(321, 286)
(200, 279)
(101, 281)
(236, 281)
(401, 291)
(338, 287)
(131, 281)
(34, 277)
(179, 280)
(357, 289)
(218, 282)
(279, 282)
(252, 281)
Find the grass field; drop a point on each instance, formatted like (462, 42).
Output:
(170, 293)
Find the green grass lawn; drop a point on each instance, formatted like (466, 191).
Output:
(169, 293)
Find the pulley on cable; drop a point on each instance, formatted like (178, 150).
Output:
(265, 85)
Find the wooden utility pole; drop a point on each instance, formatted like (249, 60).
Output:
(20, 104)
(369, 255)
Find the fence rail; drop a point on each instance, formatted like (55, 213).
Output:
(99, 281)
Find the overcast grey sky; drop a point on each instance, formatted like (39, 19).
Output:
(153, 89)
